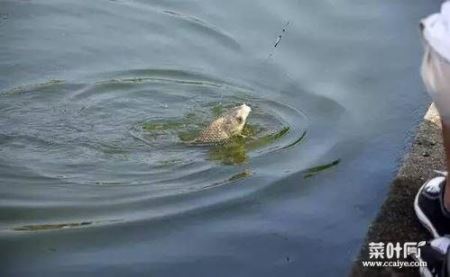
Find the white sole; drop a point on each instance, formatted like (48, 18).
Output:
(421, 216)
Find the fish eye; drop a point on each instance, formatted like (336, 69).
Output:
(240, 119)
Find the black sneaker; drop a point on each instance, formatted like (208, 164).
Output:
(433, 258)
(429, 207)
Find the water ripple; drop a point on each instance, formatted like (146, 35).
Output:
(117, 143)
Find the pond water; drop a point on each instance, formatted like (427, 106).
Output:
(98, 100)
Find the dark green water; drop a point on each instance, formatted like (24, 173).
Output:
(97, 100)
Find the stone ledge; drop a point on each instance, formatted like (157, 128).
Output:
(396, 220)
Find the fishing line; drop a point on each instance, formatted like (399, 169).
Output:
(278, 40)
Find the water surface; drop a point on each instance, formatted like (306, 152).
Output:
(98, 100)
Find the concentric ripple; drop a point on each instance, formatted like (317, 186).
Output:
(93, 141)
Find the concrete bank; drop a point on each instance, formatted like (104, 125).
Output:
(396, 221)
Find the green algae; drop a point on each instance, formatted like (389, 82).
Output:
(320, 168)
(229, 153)
(162, 125)
(46, 227)
(233, 151)
(242, 175)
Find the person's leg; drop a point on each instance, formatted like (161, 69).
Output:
(432, 202)
(436, 76)
(446, 139)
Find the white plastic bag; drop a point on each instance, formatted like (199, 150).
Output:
(436, 61)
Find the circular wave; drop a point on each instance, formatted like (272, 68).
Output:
(121, 140)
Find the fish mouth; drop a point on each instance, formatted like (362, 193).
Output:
(246, 107)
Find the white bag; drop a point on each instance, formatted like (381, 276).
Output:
(436, 61)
